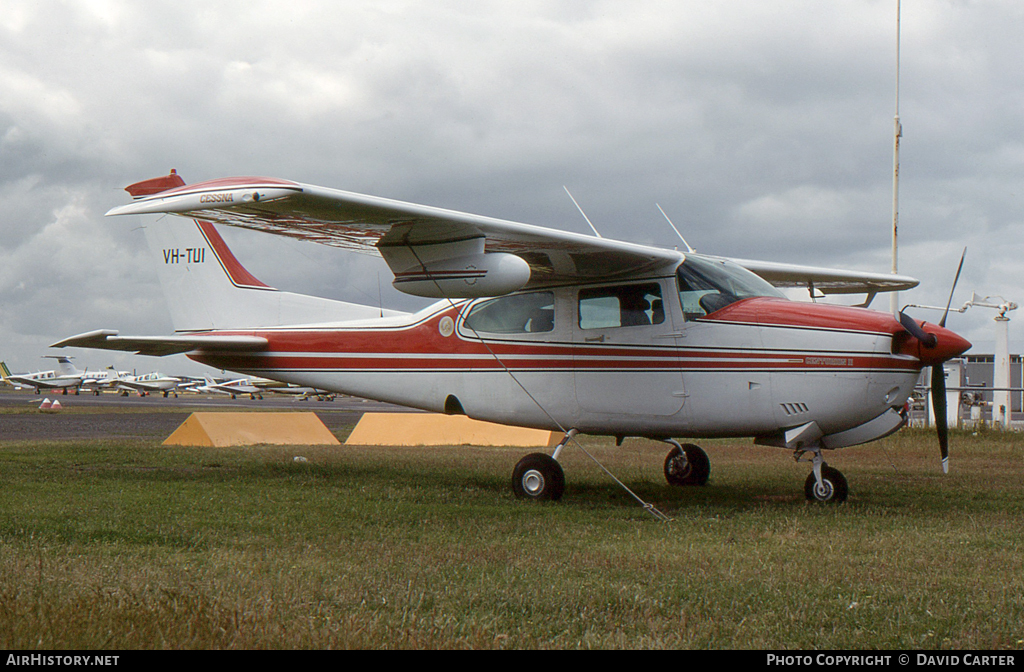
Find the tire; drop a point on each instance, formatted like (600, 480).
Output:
(695, 471)
(538, 477)
(835, 487)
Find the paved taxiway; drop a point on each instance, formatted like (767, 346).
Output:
(152, 417)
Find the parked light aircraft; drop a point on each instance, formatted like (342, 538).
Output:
(147, 383)
(66, 376)
(300, 392)
(542, 328)
(288, 389)
(230, 387)
(97, 381)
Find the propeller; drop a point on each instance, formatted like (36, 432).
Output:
(938, 372)
(939, 383)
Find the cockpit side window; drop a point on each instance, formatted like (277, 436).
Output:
(621, 306)
(529, 313)
(708, 285)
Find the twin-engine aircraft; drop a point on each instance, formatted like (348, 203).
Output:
(540, 328)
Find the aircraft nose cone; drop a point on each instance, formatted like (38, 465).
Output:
(948, 345)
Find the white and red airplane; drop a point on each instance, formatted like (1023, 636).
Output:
(541, 328)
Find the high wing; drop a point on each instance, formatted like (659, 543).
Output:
(827, 280)
(372, 224)
(411, 236)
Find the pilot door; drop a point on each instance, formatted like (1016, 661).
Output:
(624, 343)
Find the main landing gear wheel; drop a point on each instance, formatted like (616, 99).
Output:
(538, 477)
(833, 486)
(687, 465)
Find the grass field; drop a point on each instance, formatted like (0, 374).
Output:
(127, 545)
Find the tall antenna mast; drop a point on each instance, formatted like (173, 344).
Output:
(894, 300)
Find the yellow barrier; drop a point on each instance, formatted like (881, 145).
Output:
(247, 429)
(431, 429)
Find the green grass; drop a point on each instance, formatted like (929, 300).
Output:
(133, 545)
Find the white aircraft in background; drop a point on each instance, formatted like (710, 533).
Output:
(301, 392)
(543, 328)
(233, 388)
(148, 383)
(66, 376)
(97, 381)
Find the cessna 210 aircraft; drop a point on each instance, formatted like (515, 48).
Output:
(541, 328)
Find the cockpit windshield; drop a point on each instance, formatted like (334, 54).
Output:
(707, 285)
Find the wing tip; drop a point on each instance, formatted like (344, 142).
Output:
(155, 185)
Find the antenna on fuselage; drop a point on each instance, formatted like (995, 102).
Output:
(688, 248)
(581, 211)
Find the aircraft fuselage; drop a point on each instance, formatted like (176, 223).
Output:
(753, 368)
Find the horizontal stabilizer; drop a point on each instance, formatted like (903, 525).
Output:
(159, 346)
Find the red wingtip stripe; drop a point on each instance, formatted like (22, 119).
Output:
(234, 269)
(155, 185)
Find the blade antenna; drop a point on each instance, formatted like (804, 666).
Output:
(688, 248)
(594, 229)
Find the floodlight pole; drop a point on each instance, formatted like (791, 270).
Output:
(894, 300)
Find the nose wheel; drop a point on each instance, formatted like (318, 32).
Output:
(832, 488)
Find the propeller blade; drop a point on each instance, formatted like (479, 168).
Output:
(911, 325)
(959, 268)
(939, 407)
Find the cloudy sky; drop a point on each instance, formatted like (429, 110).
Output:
(764, 129)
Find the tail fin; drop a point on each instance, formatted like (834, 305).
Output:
(64, 365)
(207, 288)
(5, 373)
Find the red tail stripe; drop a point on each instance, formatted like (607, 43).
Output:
(236, 272)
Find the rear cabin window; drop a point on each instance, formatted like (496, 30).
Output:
(621, 306)
(529, 313)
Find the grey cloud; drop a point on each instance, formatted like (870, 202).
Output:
(763, 129)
